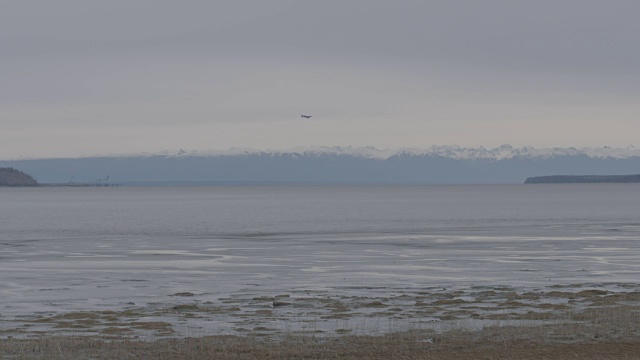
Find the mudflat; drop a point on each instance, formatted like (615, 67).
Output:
(559, 323)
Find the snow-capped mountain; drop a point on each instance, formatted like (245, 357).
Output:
(456, 152)
(436, 164)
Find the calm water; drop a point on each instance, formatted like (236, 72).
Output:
(317, 211)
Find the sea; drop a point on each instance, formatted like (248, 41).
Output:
(316, 212)
(66, 249)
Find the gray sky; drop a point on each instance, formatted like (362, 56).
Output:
(83, 77)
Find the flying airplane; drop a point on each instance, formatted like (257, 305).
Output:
(306, 116)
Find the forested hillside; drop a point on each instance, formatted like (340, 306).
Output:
(13, 177)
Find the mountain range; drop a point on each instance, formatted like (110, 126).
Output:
(437, 164)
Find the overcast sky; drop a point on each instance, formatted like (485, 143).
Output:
(84, 77)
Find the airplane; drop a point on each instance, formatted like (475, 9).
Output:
(306, 116)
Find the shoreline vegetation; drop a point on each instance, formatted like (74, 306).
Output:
(584, 179)
(576, 321)
(12, 177)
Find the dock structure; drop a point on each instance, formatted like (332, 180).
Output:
(90, 184)
(95, 183)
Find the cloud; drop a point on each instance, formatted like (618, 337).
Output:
(204, 74)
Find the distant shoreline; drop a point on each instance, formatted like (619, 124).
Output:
(82, 185)
(583, 179)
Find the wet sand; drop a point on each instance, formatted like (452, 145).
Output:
(281, 284)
